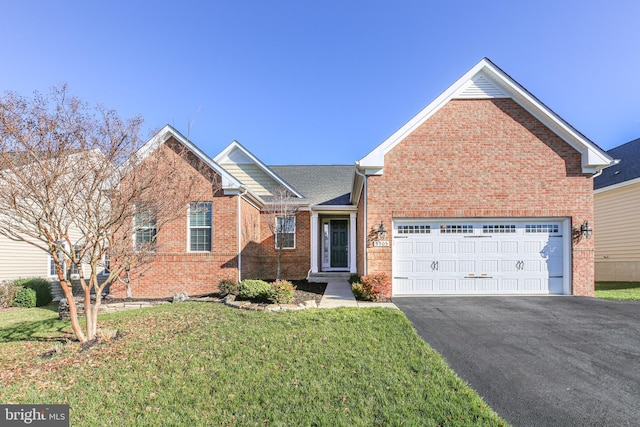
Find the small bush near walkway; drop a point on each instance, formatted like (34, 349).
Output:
(372, 287)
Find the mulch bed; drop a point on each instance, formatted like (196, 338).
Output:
(305, 291)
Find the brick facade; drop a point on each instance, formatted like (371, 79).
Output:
(174, 269)
(483, 158)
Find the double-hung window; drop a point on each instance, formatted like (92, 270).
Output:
(200, 227)
(52, 267)
(286, 232)
(145, 227)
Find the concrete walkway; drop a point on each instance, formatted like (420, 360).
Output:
(338, 294)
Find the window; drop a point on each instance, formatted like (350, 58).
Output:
(286, 232)
(145, 227)
(541, 228)
(511, 228)
(106, 263)
(414, 229)
(54, 273)
(456, 229)
(200, 227)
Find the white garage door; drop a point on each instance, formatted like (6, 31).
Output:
(479, 257)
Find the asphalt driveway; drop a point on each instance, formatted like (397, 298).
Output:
(540, 361)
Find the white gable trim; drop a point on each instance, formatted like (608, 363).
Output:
(235, 153)
(229, 183)
(484, 81)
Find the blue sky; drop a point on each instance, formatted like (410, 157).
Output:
(300, 82)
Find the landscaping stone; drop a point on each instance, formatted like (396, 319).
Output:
(180, 297)
(310, 304)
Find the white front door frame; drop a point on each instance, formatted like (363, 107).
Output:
(317, 240)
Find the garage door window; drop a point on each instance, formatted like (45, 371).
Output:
(456, 229)
(414, 229)
(502, 229)
(541, 228)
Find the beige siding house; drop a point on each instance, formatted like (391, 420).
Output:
(616, 213)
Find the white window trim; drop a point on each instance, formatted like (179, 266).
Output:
(275, 240)
(49, 264)
(210, 227)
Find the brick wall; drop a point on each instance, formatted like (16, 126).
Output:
(173, 269)
(295, 263)
(483, 158)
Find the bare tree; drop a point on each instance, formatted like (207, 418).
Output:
(281, 214)
(75, 182)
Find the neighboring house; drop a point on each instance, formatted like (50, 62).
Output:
(19, 259)
(617, 203)
(485, 191)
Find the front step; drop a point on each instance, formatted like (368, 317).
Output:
(325, 276)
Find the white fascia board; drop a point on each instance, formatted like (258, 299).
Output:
(593, 158)
(235, 145)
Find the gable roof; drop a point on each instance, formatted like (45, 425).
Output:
(257, 176)
(485, 81)
(229, 183)
(320, 185)
(627, 169)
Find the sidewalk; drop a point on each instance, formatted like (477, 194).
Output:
(338, 294)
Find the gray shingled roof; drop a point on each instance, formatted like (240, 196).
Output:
(626, 170)
(319, 184)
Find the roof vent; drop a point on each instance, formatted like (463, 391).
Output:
(481, 87)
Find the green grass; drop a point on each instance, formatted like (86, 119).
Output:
(618, 290)
(197, 364)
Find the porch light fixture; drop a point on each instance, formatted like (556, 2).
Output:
(586, 230)
(382, 232)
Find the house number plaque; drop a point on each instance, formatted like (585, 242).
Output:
(381, 243)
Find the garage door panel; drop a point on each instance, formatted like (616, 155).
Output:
(404, 267)
(423, 266)
(447, 266)
(489, 247)
(466, 247)
(447, 247)
(509, 247)
(424, 286)
(467, 265)
(479, 257)
(424, 248)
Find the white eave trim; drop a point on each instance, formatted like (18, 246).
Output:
(235, 145)
(333, 208)
(485, 80)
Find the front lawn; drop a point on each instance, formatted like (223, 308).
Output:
(618, 290)
(202, 364)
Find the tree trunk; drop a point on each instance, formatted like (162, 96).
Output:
(73, 311)
(88, 310)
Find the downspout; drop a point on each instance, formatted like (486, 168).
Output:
(364, 231)
(240, 234)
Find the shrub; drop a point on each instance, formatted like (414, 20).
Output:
(374, 287)
(41, 286)
(358, 292)
(282, 292)
(258, 290)
(26, 297)
(355, 278)
(228, 287)
(7, 294)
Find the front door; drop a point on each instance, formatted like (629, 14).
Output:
(339, 231)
